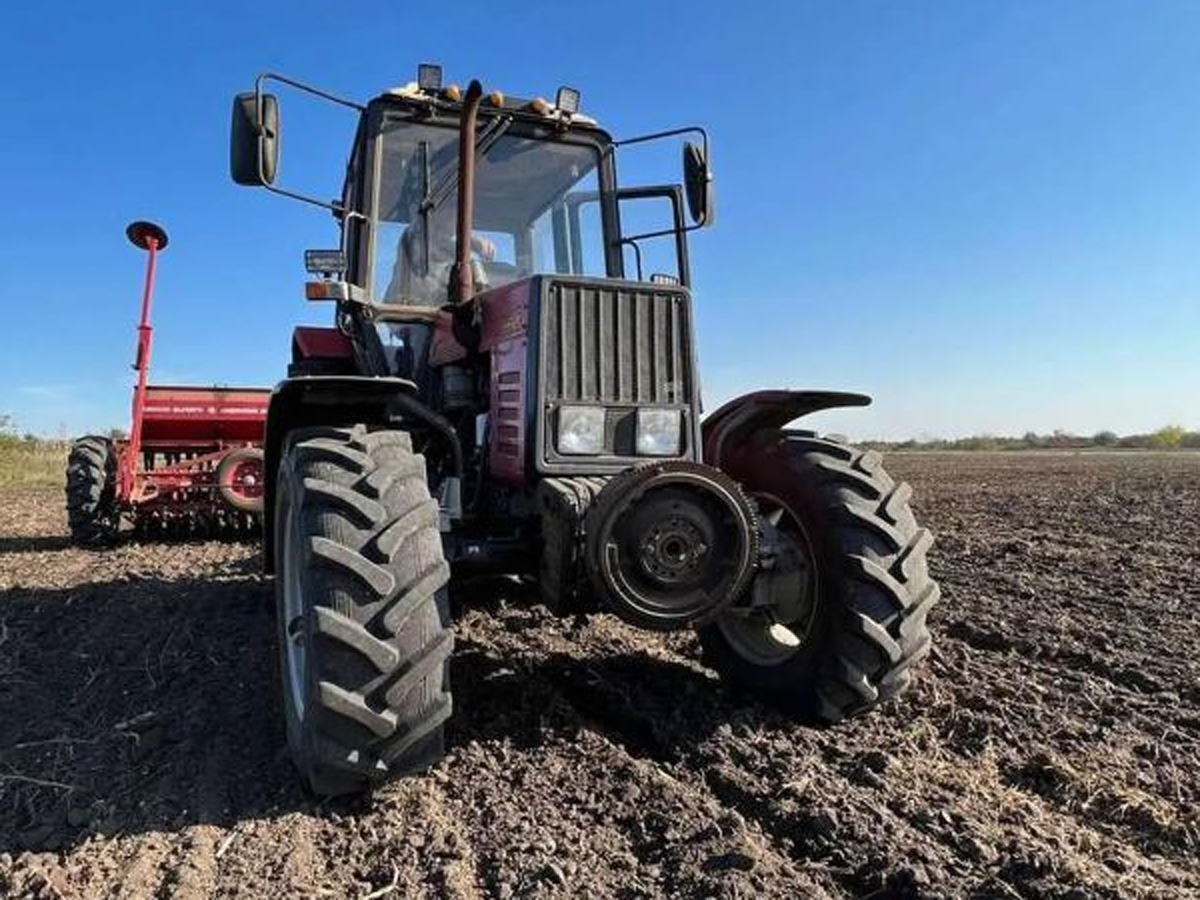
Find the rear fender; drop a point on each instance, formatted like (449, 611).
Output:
(734, 422)
(304, 402)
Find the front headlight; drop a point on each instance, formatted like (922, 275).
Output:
(580, 430)
(658, 432)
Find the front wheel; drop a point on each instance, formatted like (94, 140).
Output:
(363, 615)
(839, 618)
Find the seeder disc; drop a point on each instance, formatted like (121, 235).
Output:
(140, 233)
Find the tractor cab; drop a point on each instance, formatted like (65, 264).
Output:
(538, 199)
(545, 195)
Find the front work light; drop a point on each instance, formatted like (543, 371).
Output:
(325, 262)
(429, 77)
(567, 100)
(581, 430)
(658, 432)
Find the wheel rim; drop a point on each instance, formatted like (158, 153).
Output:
(776, 621)
(294, 625)
(246, 479)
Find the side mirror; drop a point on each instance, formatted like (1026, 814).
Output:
(254, 142)
(698, 183)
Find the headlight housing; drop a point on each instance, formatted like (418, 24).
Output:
(580, 430)
(658, 432)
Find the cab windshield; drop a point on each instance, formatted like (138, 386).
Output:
(536, 210)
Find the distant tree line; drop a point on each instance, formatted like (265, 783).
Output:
(1169, 437)
(12, 439)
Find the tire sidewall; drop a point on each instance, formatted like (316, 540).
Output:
(287, 510)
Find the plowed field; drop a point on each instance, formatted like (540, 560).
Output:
(1049, 748)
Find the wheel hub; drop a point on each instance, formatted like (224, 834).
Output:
(671, 544)
(247, 478)
(673, 551)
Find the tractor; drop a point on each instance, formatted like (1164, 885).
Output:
(504, 389)
(192, 465)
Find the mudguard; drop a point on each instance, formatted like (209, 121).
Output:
(744, 415)
(306, 401)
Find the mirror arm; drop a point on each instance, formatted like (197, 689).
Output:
(653, 234)
(674, 132)
(258, 113)
(300, 86)
(643, 138)
(324, 204)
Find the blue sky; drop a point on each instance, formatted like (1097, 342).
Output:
(984, 214)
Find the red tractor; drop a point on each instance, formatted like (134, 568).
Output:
(193, 462)
(504, 390)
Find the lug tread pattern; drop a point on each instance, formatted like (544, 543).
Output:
(879, 636)
(912, 625)
(889, 623)
(856, 679)
(374, 580)
(354, 706)
(878, 573)
(348, 761)
(366, 511)
(894, 504)
(865, 516)
(340, 627)
(899, 676)
(414, 595)
(429, 658)
(914, 551)
(91, 491)
(328, 552)
(331, 450)
(417, 730)
(391, 540)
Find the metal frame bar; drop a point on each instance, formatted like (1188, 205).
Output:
(258, 113)
(128, 473)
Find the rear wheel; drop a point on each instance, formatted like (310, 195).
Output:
(838, 622)
(92, 491)
(364, 624)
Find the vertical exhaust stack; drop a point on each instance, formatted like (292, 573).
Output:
(462, 286)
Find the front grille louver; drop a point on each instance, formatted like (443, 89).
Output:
(614, 344)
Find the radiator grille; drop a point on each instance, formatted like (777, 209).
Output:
(615, 345)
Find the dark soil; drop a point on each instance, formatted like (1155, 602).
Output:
(1050, 747)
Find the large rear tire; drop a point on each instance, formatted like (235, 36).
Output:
(92, 492)
(852, 640)
(364, 622)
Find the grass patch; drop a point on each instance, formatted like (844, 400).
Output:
(26, 463)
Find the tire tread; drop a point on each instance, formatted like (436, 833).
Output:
(380, 616)
(877, 578)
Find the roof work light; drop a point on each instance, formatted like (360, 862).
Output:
(429, 77)
(567, 100)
